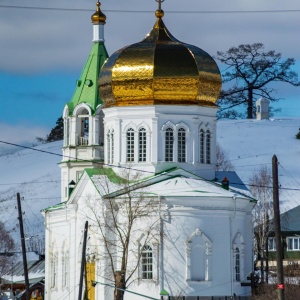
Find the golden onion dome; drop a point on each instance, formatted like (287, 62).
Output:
(160, 70)
(98, 16)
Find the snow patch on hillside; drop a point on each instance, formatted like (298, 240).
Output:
(251, 143)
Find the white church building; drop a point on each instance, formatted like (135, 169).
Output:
(139, 165)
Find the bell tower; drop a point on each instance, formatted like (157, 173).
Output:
(83, 116)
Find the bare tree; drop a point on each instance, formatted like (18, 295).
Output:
(125, 220)
(6, 245)
(260, 185)
(223, 162)
(249, 70)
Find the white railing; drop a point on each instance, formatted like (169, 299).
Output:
(83, 141)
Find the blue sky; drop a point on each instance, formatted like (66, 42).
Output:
(42, 54)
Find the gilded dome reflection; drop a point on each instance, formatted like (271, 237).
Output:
(160, 70)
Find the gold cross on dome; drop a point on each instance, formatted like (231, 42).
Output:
(159, 3)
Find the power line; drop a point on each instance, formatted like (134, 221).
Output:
(127, 168)
(151, 11)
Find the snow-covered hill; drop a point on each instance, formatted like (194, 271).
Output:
(251, 143)
(248, 144)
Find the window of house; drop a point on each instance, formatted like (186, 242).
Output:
(272, 244)
(181, 145)
(142, 145)
(294, 243)
(130, 145)
(207, 147)
(147, 263)
(201, 146)
(169, 144)
(237, 265)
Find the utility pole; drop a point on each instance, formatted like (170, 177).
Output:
(83, 261)
(23, 247)
(277, 227)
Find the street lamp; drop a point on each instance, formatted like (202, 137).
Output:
(164, 295)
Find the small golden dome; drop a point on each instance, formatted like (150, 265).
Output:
(160, 70)
(159, 13)
(98, 16)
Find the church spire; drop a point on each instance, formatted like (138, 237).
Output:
(83, 116)
(98, 19)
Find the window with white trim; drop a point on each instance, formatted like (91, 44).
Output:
(293, 243)
(181, 145)
(130, 145)
(169, 143)
(198, 257)
(237, 265)
(202, 146)
(142, 144)
(272, 244)
(147, 263)
(207, 143)
(84, 132)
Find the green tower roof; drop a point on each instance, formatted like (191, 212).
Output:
(86, 90)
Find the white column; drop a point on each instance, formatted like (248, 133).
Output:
(196, 143)
(73, 135)
(155, 143)
(175, 145)
(136, 146)
(96, 139)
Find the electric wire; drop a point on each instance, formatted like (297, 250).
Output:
(270, 11)
(124, 167)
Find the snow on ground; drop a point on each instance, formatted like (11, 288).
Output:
(251, 143)
(248, 143)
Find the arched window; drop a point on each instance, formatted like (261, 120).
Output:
(207, 142)
(147, 263)
(201, 146)
(142, 145)
(169, 144)
(130, 145)
(198, 260)
(181, 145)
(84, 132)
(237, 265)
